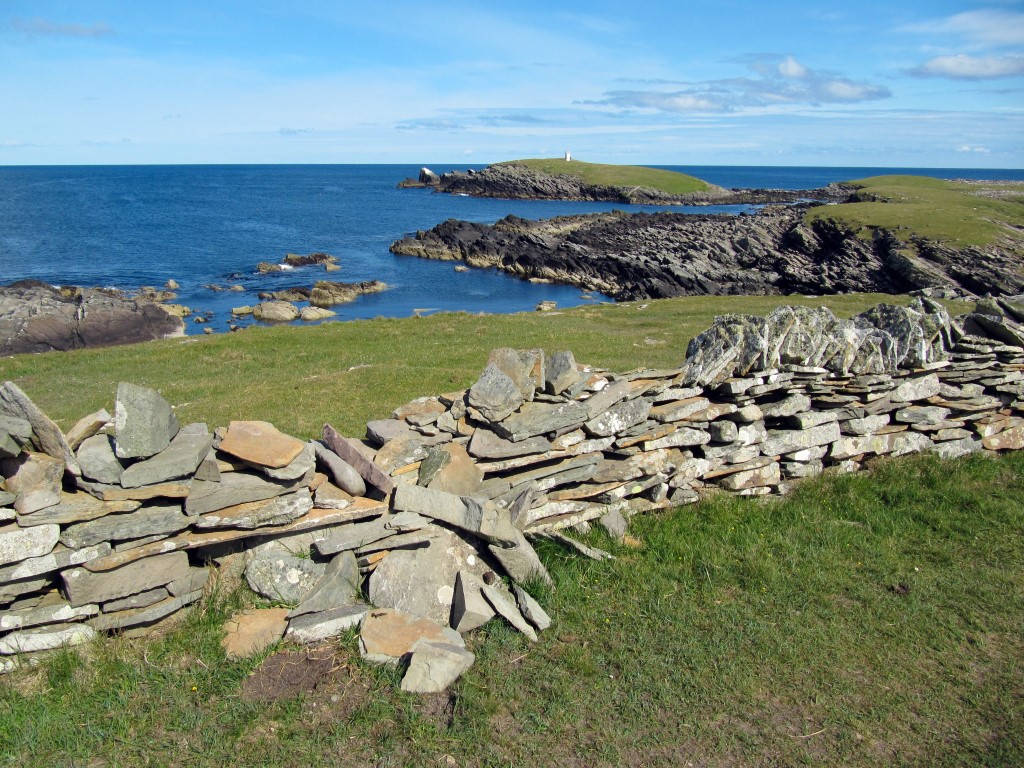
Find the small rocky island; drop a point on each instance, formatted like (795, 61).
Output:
(525, 180)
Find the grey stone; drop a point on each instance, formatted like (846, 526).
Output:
(49, 613)
(147, 521)
(479, 517)
(916, 388)
(56, 559)
(18, 544)
(314, 627)
(538, 418)
(865, 425)
(340, 471)
(180, 458)
(561, 373)
(495, 395)
(283, 578)
(256, 514)
(684, 437)
(723, 431)
(810, 419)
(144, 423)
(449, 468)
(509, 611)
(349, 450)
(484, 444)
(15, 434)
(141, 600)
(767, 475)
(46, 638)
(790, 406)
(97, 460)
(921, 414)
(521, 562)
(785, 441)
(470, 610)
(531, 609)
(330, 496)
(677, 410)
(140, 616)
(82, 586)
(619, 418)
(955, 448)
(520, 367)
(383, 431)
(73, 507)
(237, 488)
(11, 590)
(208, 469)
(35, 478)
(195, 580)
(339, 586)
(275, 311)
(435, 666)
(46, 435)
(615, 524)
(354, 536)
(422, 581)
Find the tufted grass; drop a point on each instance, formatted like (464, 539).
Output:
(671, 182)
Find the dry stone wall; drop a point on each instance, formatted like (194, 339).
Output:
(430, 518)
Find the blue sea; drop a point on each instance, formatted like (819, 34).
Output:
(203, 225)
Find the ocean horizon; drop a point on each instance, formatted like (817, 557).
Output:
(208, 226)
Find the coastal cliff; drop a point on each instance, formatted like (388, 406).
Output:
(661, 255)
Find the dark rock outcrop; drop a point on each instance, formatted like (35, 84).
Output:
(661, 255)
(517, 182)
(36, 317)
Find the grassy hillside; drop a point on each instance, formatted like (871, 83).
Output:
(618, 175)
(349, 373)
(959, 214)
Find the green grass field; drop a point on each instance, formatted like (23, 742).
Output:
(865, 620)
(670, 182)
(941, 211)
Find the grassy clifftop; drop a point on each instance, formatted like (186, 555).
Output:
(958, 214)
(670, 182)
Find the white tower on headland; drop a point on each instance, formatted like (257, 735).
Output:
(568, 156)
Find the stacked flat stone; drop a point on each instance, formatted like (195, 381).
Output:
(430, 518)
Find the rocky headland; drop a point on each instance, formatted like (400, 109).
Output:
(518, 182)
(774, 251)
(37, 317)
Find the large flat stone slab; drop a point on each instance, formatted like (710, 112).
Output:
(257, 514)
(82, 586)
(75, 507)
(476, 516)
(252, 631)
(46, 638)
(147, 521)
(18, 544)
(541, 418)
(435, 666)
(180, 458)
(387, 636)
(314, 627)
(237, 488)
(260, 442)
(35, 478)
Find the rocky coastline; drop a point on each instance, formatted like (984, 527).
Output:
(631, 256)
(516, 182)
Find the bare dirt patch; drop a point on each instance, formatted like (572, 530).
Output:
(286, 674)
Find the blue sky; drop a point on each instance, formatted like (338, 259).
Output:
(896, 83)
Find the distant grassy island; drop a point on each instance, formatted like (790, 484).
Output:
(562, 179)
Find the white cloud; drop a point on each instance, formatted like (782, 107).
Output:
(37, 27)
(964, 67)
(778, 80)
(989, 27)
(975, 150)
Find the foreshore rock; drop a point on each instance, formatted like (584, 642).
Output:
(517, 182)
(661, 255)
(36, 317)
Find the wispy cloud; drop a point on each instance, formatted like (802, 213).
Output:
(430, 124)
(988, 27)
(973, 150)
(38, 27)
(778, 80)
(294, 131)
(964, 67)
